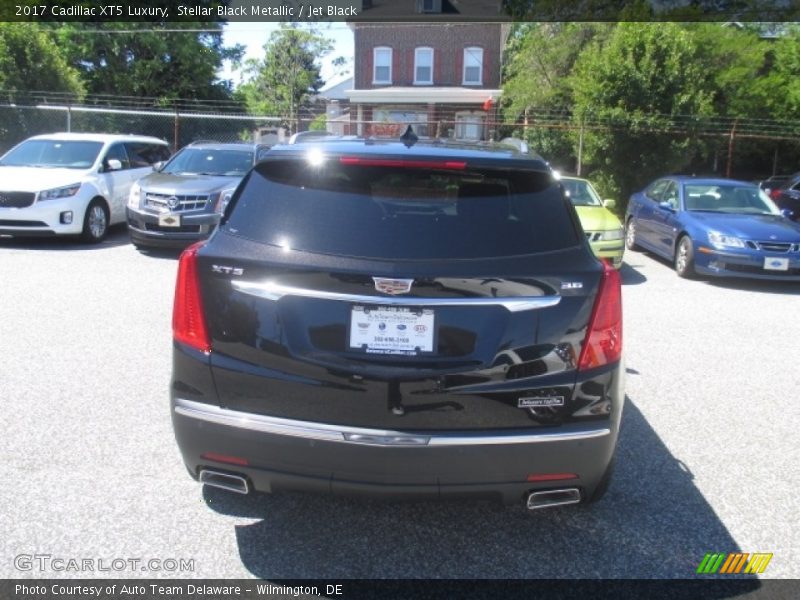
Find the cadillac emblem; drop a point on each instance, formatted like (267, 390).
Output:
(392, 286)
(173, 202)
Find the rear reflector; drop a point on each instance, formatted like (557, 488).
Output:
(188, 321)
(552, 477)
(224, 458)
(403, 164)
(603, 343)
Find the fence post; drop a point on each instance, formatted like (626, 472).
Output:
(730, 149)
(176, 132)
(69, 118)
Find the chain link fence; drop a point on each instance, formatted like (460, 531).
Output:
(176, 127)
(738, 147)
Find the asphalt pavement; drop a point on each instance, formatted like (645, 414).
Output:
(707, 458)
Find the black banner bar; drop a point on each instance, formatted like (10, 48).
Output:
(390, 589)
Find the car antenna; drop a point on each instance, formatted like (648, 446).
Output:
(409, 138)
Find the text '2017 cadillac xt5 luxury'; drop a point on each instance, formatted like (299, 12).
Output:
(404, 320)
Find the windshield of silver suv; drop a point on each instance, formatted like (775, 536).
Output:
(209, 161)
(66, 154)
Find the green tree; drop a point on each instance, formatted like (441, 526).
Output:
(537, 90)
(284, 81)
(164, 61)
(635, 87)
(30, 61)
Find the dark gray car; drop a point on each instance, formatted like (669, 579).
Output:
(181, 202)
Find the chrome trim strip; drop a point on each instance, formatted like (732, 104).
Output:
(275, 291)
(363, 436)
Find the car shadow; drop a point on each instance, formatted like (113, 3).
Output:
(117, 236)
(791, 288)
(653, 523)
(630, 276)
(161, 253)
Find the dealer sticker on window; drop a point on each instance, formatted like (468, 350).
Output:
(392, 330)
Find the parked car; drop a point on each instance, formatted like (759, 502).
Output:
(716, 227)
(787, 197)
(72, 183)
(181, 202)
(603, 229)
(772, 185)
(421, 321)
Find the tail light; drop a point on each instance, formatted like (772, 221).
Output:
(775, 194)
(603, 343)
(188, 321)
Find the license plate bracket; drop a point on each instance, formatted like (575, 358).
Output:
(773, 263)
(392, 330)
(169, 220)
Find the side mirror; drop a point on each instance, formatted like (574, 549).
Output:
(158, 165)
(609, 203)
(112, 164)
(666, 206)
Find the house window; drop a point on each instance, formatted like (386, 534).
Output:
(398, 119)
(473, 66)
(470, 125)
(382, 69)
(423, 66)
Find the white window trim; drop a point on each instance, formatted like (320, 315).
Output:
(375, 52)
(464, 67)
(416, 62)
(470, 117)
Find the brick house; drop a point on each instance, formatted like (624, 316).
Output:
(442, 78)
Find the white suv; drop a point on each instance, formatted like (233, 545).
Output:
(72, 183)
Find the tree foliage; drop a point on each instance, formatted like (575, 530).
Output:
(30, 60)
(146, 60)
(283, 82)
(637, 82)
(630, 97)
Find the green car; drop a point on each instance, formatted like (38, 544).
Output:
(603, 229)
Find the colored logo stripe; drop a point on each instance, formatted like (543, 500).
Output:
(733, 563)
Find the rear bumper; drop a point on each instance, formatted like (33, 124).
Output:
(285, 455)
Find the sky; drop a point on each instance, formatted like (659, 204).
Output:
(253, 36)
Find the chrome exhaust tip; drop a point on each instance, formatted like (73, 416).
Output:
(550, 498)
(225, 481)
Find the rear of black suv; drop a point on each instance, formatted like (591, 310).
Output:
(423, 321)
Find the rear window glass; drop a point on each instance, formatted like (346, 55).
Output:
(397, 212)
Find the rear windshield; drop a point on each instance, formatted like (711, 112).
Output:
(397, 212)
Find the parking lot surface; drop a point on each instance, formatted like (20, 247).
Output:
(707, 460)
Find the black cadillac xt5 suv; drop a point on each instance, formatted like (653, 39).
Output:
(403, 320)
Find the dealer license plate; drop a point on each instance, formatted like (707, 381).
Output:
(169, 220)
(776, 264)
(392, 330)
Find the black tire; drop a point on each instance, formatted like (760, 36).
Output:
(95, 222)
(684, 258)
(630, 235)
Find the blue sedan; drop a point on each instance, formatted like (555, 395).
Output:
(717, 227)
